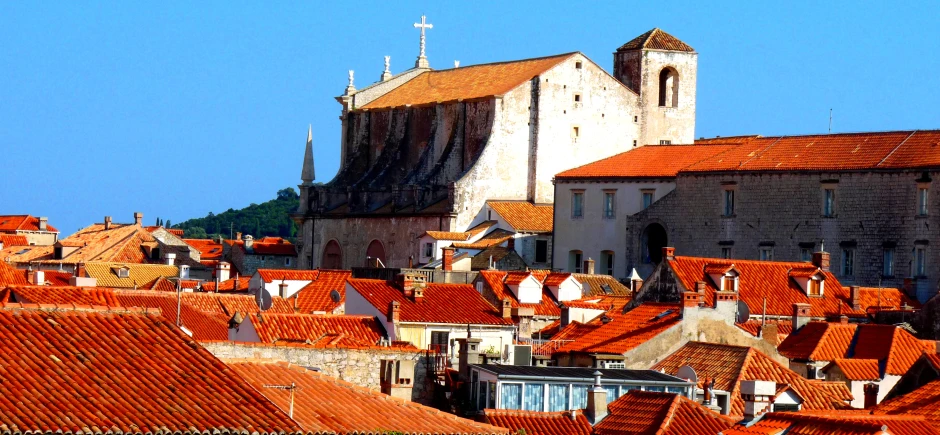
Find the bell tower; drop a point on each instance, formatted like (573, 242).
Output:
(662, 70)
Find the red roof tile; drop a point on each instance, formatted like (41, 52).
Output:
(656, 39)
(271, 275)
(651, 161)
(12, 223)
(315, 297)
(495, 237)
(896, 348)
(924, 401)
(646, 412)
(834, 423)
(231, 285)
(442, 303)
(63, 295)
(856, 369)
(208, 249)
(784, 327)
(524, 216)
(627, 331)
(499, 282)
(466, 83)
(539, 423)
(323, 404)
(8, 240)
(120, 372)
(448, 235)
(318, 330)
(11, 276)
(729, 365)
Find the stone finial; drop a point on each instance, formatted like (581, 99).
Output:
(387, 74)
(307, 175)
(456, 64)
(422, 61)
(350, 88)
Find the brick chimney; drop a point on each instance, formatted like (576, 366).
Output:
(394, 312)
(447, 258)
(418, 294)
(800, 316)
(80, 270)
(669, 253)
(507, 308)
(871, 394)
(43, 223)
(222, 271)
(107, 222)
(855, 297)
(596, 401)
(589, 266)
(407, 283)
(821, 260)
(138, 218)
(700, 286)
(694, 299)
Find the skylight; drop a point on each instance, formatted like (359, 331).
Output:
(663, 314)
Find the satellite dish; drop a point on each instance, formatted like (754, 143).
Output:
(687, 372)
(334, 296)
(744, 313)
(264, 299)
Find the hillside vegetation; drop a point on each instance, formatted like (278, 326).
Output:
(266, 219)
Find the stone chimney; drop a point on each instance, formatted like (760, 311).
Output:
(589, 266)
(80, 270)
(38, 278)
(138, 218)
(282, 289)
(871, 394)
(855, 297)
(757, 395)
(222, 271)
(669, 253)
(184, 272)
(394, 312)
(170, 258)
(43, 223)
(596, 401)
(249, 242)
(821, 260)
(107, 222)
(447, 258)
(469, 353)
(507, 308)
(801, 316)
(726, 304)
(238, 235)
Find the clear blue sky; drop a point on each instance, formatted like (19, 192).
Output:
(176, 109)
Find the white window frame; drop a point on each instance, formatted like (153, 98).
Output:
(429, 249)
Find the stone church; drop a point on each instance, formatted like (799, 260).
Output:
(425, 149)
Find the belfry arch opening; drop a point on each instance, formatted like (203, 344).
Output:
(668, 87)
(332, 256)
(653, 241)
(376, 254)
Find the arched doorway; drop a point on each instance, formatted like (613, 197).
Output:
(376, 251)
(654, 240)
(332, 256)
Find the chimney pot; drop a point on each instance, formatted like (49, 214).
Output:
(447, 261)
(43, 223)
(507, 308)
(821, 260)
(282, 289)
(855, 295)
(39, 277)
(597, 401)
(138, 218)
(871, 394)
(107, 222)
(170, 258)
(249, 242)
(669, 253)
(801, 316)
(394, 310)
(222, 271)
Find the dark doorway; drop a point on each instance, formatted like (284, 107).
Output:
(376, 251)
(654, 240)
(332, 256)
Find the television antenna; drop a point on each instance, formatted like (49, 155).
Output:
(290, 388)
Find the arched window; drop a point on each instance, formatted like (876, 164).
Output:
(376, 251)
(332, 256)
(575, 261)
(653, 240)
(668, 88)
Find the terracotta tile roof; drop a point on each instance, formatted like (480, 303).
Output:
(138, 274)
(499, 282)
(11, 276)
(524, 216)
(266, 246)
(594, 285)
(539, 423)
(318, 330)
(874, 298)
(443, 303)
(656, 39)
(647, 412)
(481, 260)
(448, 235)
(892, 346)
(9, 240)
(834, 423)
(315, 296)
(924, 401)
(727, 140)
(174, 231)
(729, 365)
(57, 278)
(495, 237)
(324, 404)
(627, 331)
(208, 249)
(651, 161)
(830, 152)
(13, 223)
(31, 294)
(466, 83)
(556, 278)
(836, 389)
(121, 243)
(231, 285)
(856, 369)
(271, 275)
(121, 372)
(784, 327)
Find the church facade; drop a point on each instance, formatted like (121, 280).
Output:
(425, 149)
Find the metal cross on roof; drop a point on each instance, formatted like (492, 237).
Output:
(422, 60)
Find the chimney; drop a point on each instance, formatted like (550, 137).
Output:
(80, 270)
(871, 394)
(768, 333)
(138, 218)
(821, 260)
(107, 222)
(507, 308)
(596, 401)
(700, 287)
(238, 235)
(39, 278)
(854, 295)
(170, 258)
(589, 266)
(669, 253)
(800, 316)
(184, 271)
(447, 261)
(757, 396)
(222, 271)
(249, 242)
(511, 243)
(418, 294)
(43, 223)
(282, 289)
(469, 353)
(394, 310)
(565, 317)
(406, 282)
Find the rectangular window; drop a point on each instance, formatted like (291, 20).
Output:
(729, 202)
(607, 262)
(766, 253)
(848, 262)
(665, 142)
(511, 396)
(429, 250)
(287, 261)
(829, 202)
(609, 198)
(725, 252)
(534, 397)
(888, 262)
(575, 132)
(647, 199)
(814, 289)
(920, 261)
(922, 201)
(577, 204)
(805, 254)
(439, 341)
(574, 261)
(541, 251)
(727, 284)
(579, 396)
(557, 397)
(577, 98)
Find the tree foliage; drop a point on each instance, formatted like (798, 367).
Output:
(266, 219)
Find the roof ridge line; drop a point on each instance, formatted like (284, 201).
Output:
(897, 147)
(670, 414)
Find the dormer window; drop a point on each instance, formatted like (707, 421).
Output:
(811, 280)
(729, 283)
(815, 287)
(725, 276)
(123, 272)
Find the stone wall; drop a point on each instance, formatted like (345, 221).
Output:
(357, 366)
(398, 235)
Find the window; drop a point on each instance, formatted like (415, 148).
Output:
(577, 204)
(829, 201)
(920, 261)
(577, 98)
(766, 253)
(805, 254)
(574, 261)
(287, 261)
(607, 262)
(634, 142)
(613, 392)
(429, 250)
(636, 119)
(123, 273)
(541, 251)
(786, 407)
(609, 202)
(534, 397)
(557, 397)
(728, 202)
(725, 252)
(814, 287)
(665, 142)
(727, 283)
(579, 396)
(575, 132)
(577, 65)
(647, 198)
(668, 88)
(439, 341)
(511, 396)
(848, 261)
(922, 201)
(887, 256)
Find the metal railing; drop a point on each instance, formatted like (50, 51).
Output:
(543, 347)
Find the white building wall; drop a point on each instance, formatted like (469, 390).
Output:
(293, 286)
(676, 124)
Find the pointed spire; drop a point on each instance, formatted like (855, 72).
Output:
(307, 175)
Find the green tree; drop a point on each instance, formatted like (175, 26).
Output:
(270, 218)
